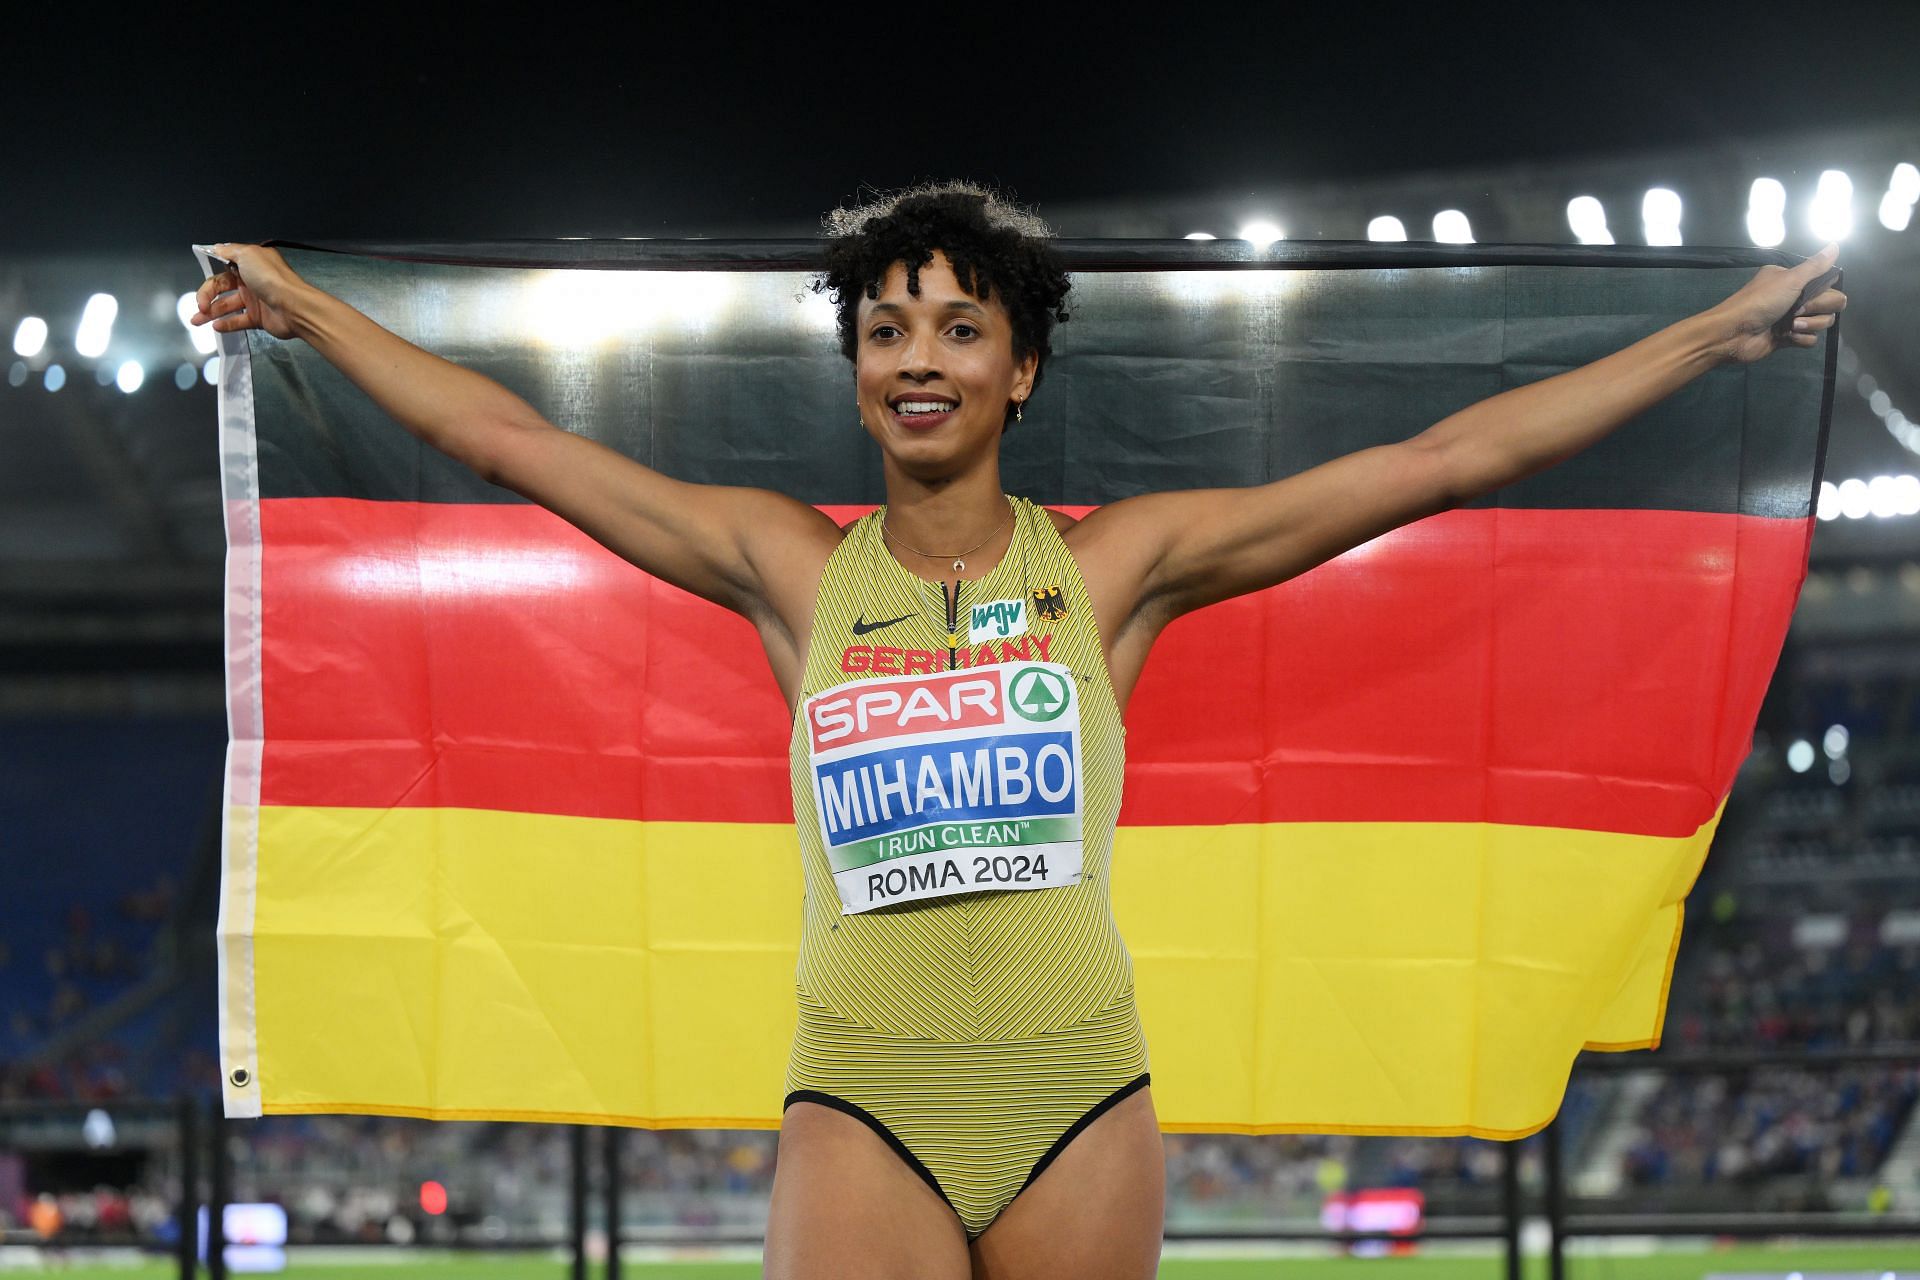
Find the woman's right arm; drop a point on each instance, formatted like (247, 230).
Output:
(738, 547)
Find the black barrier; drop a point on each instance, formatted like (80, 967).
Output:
(1510, 1201)
(220, 1172)
(186, 1215)
(613, 1202)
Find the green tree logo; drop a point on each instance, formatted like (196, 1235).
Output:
(1038, 694)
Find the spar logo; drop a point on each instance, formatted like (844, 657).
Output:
(877, 709)
(1037, 694)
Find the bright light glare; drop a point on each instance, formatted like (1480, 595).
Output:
(30, 336)
(1205, 290)
(96, 325)
(1831, 215)
(1800, 755)
(1261, 234)
(1450, 227)
(1200, 235)
(1660, 215)
(461, 574)
(571, 309)
(55, 377)
(1588, 218)
(129, 376)
(817, 312)
(1387, 228)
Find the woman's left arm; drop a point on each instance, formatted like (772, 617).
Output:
(1511, 436)
(1176, 551)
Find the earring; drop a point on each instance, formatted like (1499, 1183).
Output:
(1017, 405)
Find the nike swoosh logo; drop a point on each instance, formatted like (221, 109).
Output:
(861, 626)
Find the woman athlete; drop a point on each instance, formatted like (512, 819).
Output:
(968, 1093)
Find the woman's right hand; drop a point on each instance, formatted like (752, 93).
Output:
(256, 293)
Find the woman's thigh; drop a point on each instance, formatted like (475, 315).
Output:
(1096, 1212)
(846, 1207)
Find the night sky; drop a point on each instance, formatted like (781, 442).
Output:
(130, 130)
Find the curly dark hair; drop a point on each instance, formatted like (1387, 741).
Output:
(992, 243)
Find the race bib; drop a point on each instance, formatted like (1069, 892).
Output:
(948, 782)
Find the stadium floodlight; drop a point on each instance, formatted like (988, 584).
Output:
(202, 334)
(1854, 502)
(1905, 182)
(1830, 217)
(1895, 214)
(96, 325)
(1588, 218)
(1903, 189)
(1766, 212)
(1386, 227)
(29, 336)
(1261, 234)
(1450, 226)
(1660, 215)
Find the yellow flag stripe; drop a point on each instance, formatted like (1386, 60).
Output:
(476, 964)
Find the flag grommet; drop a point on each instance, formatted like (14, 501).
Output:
(240, 1077)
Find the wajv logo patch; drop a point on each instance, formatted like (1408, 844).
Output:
(996, 620)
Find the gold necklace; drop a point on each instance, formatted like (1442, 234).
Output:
(959, 565)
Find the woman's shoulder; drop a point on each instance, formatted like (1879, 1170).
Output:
(1061, 520)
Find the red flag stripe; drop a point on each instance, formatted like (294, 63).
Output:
(493, 656)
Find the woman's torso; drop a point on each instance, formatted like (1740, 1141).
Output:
(988, 964)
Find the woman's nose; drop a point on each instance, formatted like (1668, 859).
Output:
(916, 356)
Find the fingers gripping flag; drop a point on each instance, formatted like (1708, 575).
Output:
(508, 829)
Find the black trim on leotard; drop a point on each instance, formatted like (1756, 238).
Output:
(913, 1162)
(1100, 1108)
(872, 1122)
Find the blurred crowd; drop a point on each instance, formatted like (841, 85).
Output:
(1771, 1122)
(81, 962)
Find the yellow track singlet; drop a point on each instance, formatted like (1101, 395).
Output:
(980, 1029)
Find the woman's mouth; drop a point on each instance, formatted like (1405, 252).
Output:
(922, 415)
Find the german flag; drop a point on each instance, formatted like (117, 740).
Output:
(509, 833)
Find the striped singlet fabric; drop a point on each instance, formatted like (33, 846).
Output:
(976, 1033)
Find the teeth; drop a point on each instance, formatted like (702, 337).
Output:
(922, 406)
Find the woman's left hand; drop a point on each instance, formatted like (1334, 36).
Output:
(1747, 318)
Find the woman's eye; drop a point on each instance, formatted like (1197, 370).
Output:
(967, 327)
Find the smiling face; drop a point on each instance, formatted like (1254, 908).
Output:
(946, 347)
